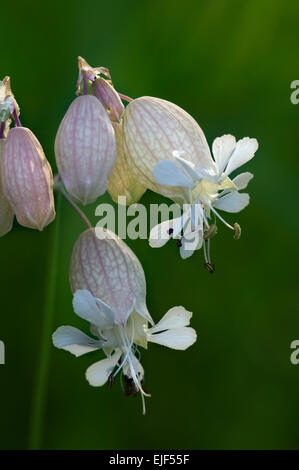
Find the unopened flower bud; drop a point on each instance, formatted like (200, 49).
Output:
(88, 73)
(109, 98)
(6, 212)
(27, 179)
(85, 149)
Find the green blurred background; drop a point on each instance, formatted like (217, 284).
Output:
(230, 65)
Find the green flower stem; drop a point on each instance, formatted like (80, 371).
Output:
(74, 206)
(42, 376)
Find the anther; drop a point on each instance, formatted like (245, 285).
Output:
(238, 231)
(179, 243)
(210, 267)
(130, 387)
(210, 232)
(111, 380)
(170, 231)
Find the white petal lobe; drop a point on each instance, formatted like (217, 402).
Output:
(241, 181)
(222, 148)
(75, 341)
(168, 173)
(178, 338)
(97, 374)
(175, 317)
(244, 151)
(232, 202)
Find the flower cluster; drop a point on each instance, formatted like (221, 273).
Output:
(100, 145)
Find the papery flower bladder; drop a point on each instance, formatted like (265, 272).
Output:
(6, 211)
(26, 187)
(109, 289)
(122, 183)
(168, 152)
(85, 149)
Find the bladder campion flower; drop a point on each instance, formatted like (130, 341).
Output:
(27, 180)
(109, 292)
(168, 153)
(205, 192)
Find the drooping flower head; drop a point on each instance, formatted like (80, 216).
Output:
(168, 153)
(205, 192)
(109, 292)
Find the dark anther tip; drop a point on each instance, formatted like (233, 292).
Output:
(210, 267)
(110, 380)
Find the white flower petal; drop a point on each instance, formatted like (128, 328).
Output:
(178, 338)
(232, 202)
(222, 148)
(176, 317)
(75, 341)
(241, 181)
(159, 235)
(89, 308)
(186, 252)
(191, 242)
(108, 312)
(244, 151)
(168, 173)
(188, 166)
(98, 374)
(179, 223)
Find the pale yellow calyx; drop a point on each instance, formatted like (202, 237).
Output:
(206, 191)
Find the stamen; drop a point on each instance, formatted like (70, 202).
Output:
(205, 253)
(143, 405)
(210, 232)
(238, 231)
(219, 216)
(127, 357)
(170, 231)
(210, 267)
(208, 250)
(128, 348)
(130, 387)
(179, 243)
(136, 380)
(110, 380)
